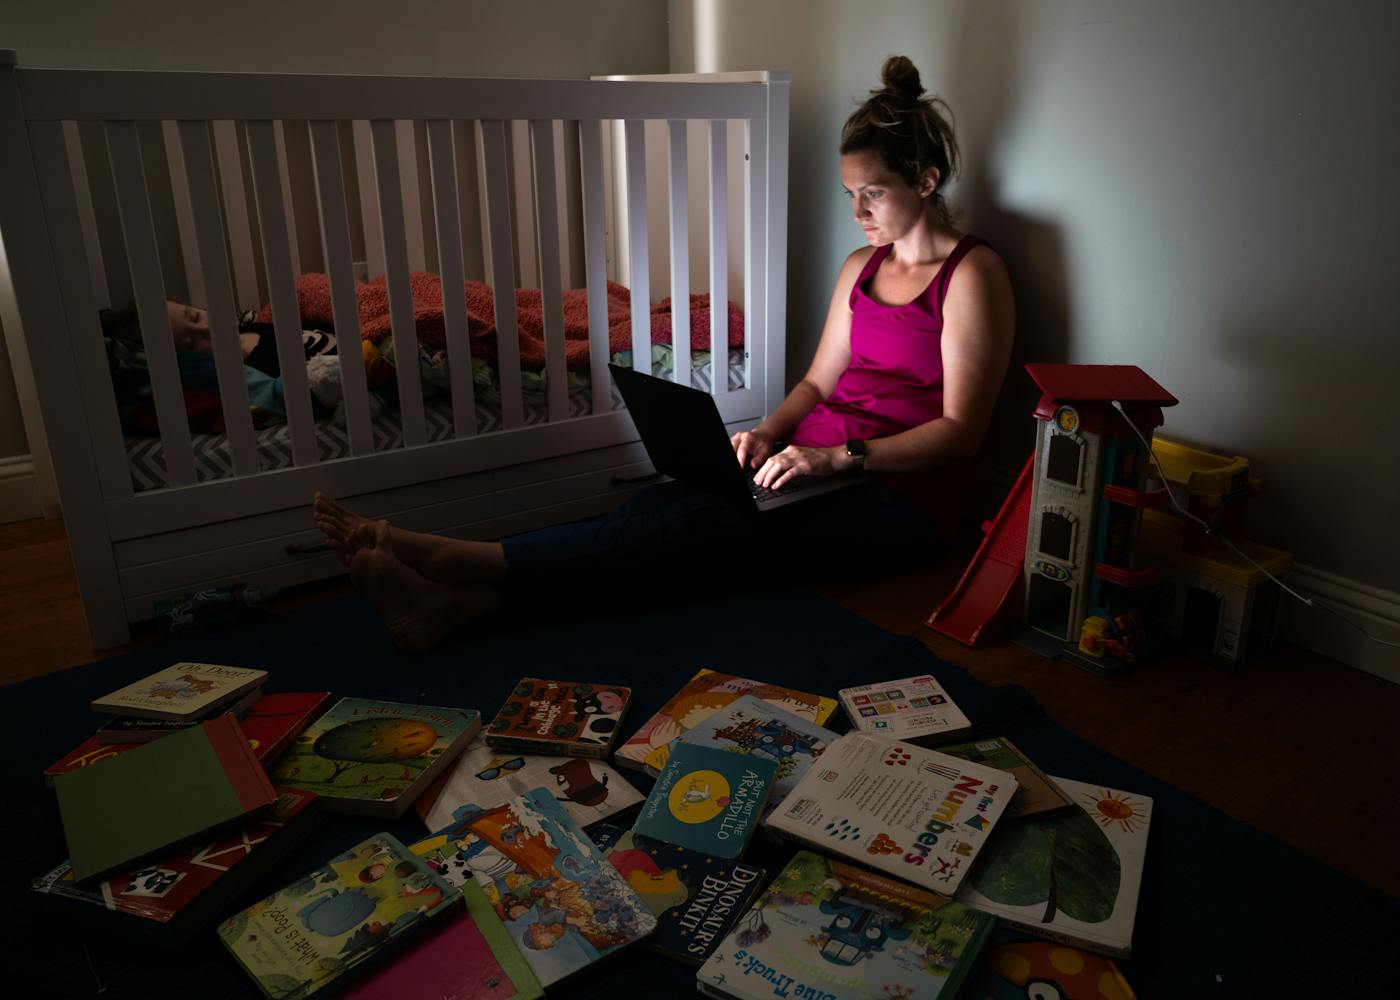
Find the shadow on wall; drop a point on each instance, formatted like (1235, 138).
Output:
(981, 85)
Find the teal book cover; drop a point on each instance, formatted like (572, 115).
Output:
(707, 799)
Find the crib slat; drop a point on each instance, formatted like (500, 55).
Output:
(405, 334)
(345, 314)
(769, 359)
(407, 151)
(52, 162)
(184, 218)
(719, 258)
(284, 174)
(527, 275)
(639, 261)
(680, 253)
(138, 230)
(442, 158)
(87, 217)
(281, 281)
(240, 233)
(551, 292)
(493, 148)
(207, 235)
(756, 239)
(369, 199)
(595, 262)
(105, 212)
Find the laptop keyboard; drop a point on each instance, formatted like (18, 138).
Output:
(761, 493)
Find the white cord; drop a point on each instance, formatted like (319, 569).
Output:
(1210, 530)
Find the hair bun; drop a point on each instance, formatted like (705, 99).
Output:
(901, 78)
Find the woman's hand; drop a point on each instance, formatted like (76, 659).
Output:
(794, 461)
(752, 447)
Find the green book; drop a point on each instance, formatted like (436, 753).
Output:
(159, 796)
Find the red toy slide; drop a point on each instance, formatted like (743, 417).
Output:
(985, 589)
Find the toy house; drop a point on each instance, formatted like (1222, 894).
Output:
(1084, 584)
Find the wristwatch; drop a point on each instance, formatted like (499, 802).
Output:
(855, 451)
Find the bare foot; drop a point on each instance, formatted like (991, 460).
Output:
(346, 532)
(418, 612)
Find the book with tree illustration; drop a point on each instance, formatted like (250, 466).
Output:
(564, 718)
(1037, 793)
(1072, 875)
(338, 919)
(701, 696)
(374, 757)
(828, 929)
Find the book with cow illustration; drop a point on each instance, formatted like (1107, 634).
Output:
(589, 790)
(828, 929)
(563, 718)
(1072, 875)
(338, 919)
(374, 757)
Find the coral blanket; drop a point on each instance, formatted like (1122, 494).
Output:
(314, 302)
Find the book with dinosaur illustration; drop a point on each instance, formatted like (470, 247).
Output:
(1072, 875)
(1037, 793)
(168, 899)
(338, 919)
(563, 718)
(696, 898)
(916, 814)
(589, 790)
(183, 692)
(372, 757)
(832, 930)
(563, 905)
(701, 696)
(1016, 965)
(915, 709)
(708, 800)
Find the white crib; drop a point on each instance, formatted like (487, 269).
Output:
(485, 162)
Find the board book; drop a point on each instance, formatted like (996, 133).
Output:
(563, 718)
(339, 918)
(168, 899)
(696, 898)
(183, 691)
(159, 796)
(1070, 876)
(916, 814)
(705, 693)
(708, 800)
(128, 729)
(1037, 793)
(755, 727)
(589, 790)
(372, 758)
(1015, 966)
(563, 905)
(831, 930)
(915, 709)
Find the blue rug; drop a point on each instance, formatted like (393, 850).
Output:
(1226, 911)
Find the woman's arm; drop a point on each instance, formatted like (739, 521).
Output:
(833, 355)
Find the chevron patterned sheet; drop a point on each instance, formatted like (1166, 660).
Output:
(213, 461)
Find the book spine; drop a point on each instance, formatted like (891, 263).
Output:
(245, 775)
(550, 747)
(1040, 930)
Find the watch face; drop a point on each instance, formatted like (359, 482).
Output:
(855, 448)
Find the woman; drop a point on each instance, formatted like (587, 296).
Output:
(906, 374)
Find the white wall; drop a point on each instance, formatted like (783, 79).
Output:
(1203, 189)
(525, 38)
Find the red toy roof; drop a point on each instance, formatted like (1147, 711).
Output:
(1099, 383)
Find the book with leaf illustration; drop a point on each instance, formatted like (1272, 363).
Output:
(373, 758)
(1072, 875)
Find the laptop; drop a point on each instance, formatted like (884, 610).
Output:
(686, 439)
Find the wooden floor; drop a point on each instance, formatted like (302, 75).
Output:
(1297, 745)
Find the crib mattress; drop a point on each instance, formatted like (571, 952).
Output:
(214, 461)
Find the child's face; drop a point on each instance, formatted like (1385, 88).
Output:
(189, 326)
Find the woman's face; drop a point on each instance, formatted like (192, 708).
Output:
(190, 327)
(884, 206)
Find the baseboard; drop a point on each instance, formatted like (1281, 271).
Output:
(1371, 608)
(19, 490)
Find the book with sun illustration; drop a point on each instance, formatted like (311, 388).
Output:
(828, 929)
(563, 718)
(695, 898)
(563, 905)
(589, 790)
(338, 919)
(708, 800)
(917, 814)
(1072, 875)
(373, 758)
(701, 696)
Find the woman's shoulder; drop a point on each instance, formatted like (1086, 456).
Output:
(980, 267)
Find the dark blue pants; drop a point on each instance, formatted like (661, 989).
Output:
(670, 536)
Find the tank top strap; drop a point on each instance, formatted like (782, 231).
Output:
(945, 273)
(869, 269)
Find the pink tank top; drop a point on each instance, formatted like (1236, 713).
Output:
(895, 378)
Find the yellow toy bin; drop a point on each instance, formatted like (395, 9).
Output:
(1213, 601)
